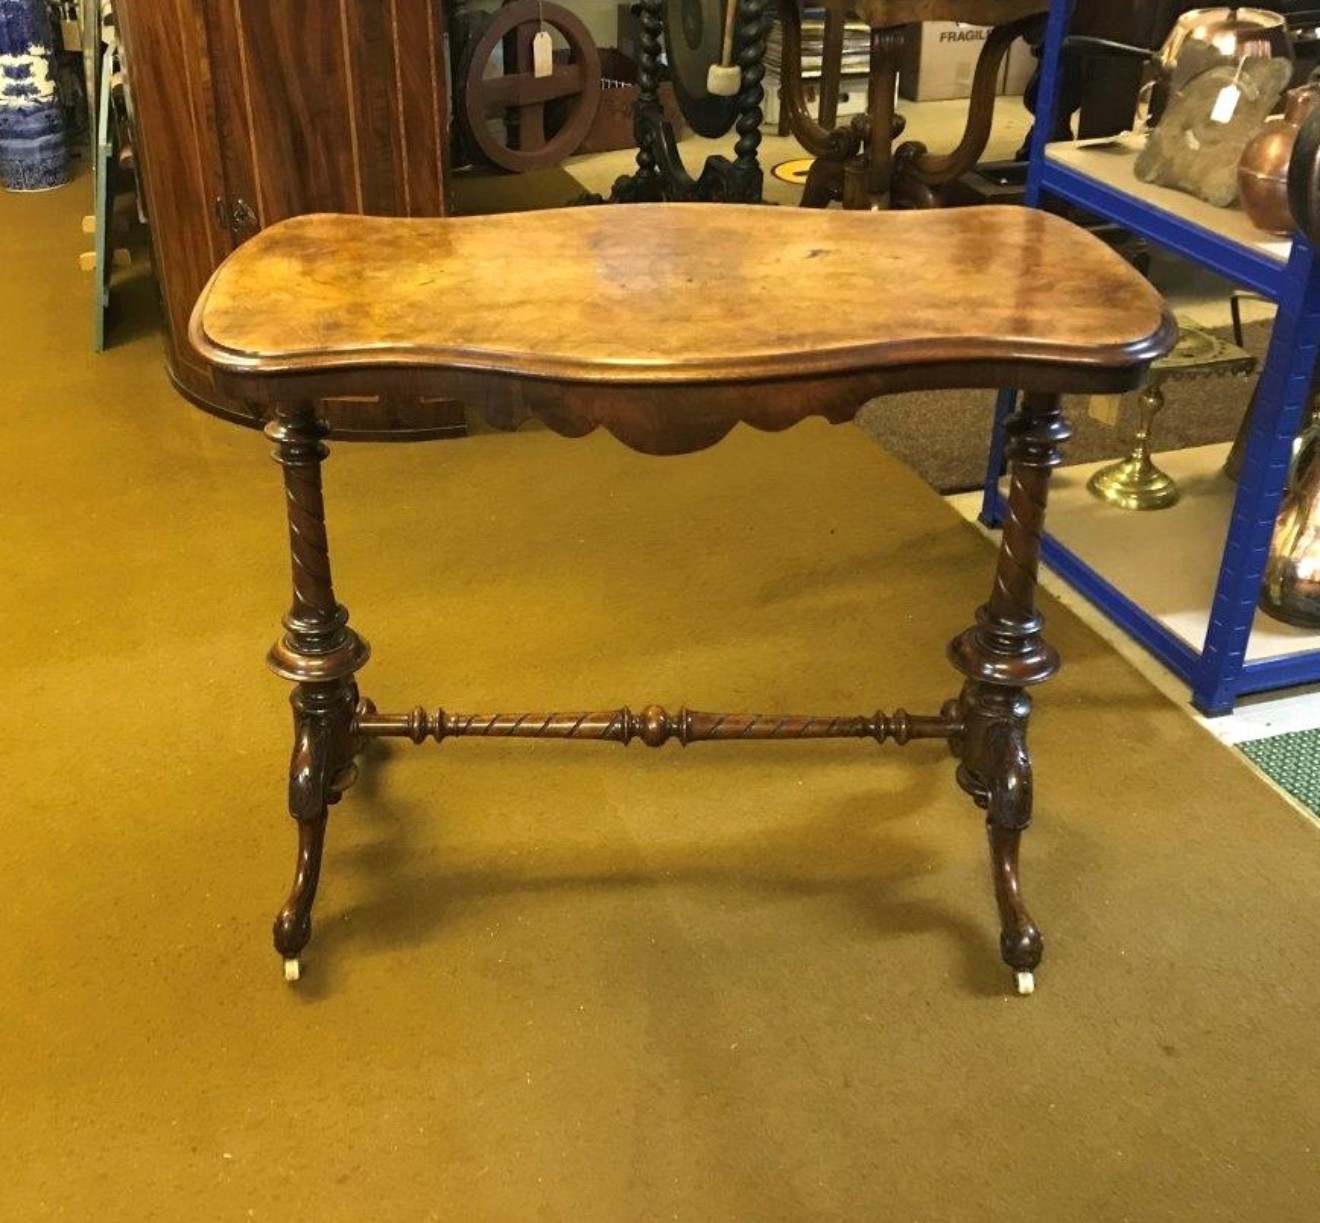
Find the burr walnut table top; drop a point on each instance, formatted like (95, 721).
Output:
(676, 293)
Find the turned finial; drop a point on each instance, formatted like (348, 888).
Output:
(653, 726)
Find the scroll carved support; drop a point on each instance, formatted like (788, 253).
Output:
(822, 139)
(1000, 656)
(320, 654)
(655, 726)
(918, 173)
(857, 163)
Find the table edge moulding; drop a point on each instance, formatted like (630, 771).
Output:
(1219, 672)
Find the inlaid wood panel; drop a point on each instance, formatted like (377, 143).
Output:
(250, 112)
(178, 163)
(349, 93)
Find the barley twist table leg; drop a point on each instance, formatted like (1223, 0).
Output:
(1000, 656)
(320, 654)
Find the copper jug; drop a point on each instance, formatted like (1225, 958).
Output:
(1290, 590)
(1263, 170)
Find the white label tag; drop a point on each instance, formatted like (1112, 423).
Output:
(1226, 104)
(543, 54)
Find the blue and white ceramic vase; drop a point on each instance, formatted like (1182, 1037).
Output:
(33, 152)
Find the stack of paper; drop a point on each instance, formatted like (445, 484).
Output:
(856, 46)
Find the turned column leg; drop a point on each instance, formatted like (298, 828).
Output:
(1000, 656)
(876, 162)
(320, 654)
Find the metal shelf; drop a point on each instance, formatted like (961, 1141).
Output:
(1160, 567)
(1100, 180)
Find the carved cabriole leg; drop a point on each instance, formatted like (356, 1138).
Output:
(833, 146)
(320, 654)
(1001, 655)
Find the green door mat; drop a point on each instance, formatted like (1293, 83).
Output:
(1291, 761)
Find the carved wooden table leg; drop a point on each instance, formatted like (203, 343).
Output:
(1001, 655)
(865, 153)
(320, 654)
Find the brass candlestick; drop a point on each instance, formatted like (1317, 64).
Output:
(1136, 483)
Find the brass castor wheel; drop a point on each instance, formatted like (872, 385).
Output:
(293, 970)
(1025, 982)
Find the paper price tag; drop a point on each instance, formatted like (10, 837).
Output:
(1226, 104)
(543, 54)
(1104, 408)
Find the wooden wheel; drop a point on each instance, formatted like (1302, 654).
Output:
(518, 98)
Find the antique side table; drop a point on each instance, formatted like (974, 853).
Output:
(666, 325)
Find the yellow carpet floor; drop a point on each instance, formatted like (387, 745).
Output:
(578, 982)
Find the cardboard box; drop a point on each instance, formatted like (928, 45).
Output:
(939, 60)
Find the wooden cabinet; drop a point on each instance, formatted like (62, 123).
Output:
(247, 112)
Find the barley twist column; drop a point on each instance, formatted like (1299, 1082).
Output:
(647, 113)
(320, 654)
(753, 26)
(1002, 655)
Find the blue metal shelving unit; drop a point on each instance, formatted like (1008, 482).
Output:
(1218, 673)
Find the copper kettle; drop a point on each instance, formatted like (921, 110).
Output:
(1237, 33)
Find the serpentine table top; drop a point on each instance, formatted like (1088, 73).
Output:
(791, 317)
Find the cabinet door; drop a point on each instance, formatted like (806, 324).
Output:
(329, 106)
